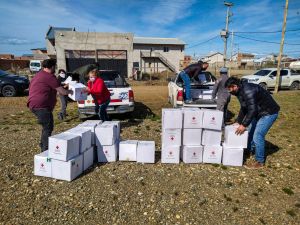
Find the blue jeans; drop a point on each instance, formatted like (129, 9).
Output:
(101, 110)
(187, 83)
(257, 132)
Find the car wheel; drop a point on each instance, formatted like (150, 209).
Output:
(295, 86)
(9, 91)
(263, 85)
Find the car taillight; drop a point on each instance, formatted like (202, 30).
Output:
(180, 95)
(81, 102)
(131, 97)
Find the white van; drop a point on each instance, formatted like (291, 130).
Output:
(35, 65)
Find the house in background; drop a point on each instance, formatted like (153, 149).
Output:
(214, 58)
(7, 56)
(243, 60)
(40, 53)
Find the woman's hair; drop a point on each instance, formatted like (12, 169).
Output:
(93, 72)
(61, 70)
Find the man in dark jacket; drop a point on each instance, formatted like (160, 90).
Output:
(189, 72)
(258, 111)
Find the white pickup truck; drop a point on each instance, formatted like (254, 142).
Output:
(121, 94)
(267, 78)
(201, 91)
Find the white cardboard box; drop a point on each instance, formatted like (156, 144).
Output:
(171, 137)
(127, 150)
(117, 123)
(172, 118)
(67, 170)
(170, 154)
(78, 93)
(88, 158)
(63, 146)
(233, 140)
(192, 136)
(192, 154)
(106, 134)
(85, 135)
(107, 153)
(212, 119)
(146, 152)
(212, 154)
(42, 165)
(211, 137)
(92, 127)
(232, 156)
(192, 118)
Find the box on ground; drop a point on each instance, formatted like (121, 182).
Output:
(212, 119)
(78, 93)
(172, 118)
(170, 154)
(91, 125)
(192, 154)
(192, 118)
(67, 170)
(63, 146)
(117, 123)
(88, 158)
(107, 153)
(232, 156)
(106, 134)
(233, 140)
(192, 136)
(211, 137)
(42, 165)
(85, 134)
(127, 150)
(171, 137)
(212, 154)
(146, 152)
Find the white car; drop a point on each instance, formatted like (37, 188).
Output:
(121, 94)
(267, 78)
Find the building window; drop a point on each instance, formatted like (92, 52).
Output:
(166, 49)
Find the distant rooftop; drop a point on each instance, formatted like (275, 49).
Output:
(158, 41)
(51, 31)
(42, 49)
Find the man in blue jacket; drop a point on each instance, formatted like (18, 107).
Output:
(258, 112)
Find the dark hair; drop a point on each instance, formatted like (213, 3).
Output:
(232, 81)
(61, 70)
(48, 63)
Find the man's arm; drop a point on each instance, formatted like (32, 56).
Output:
(215, 89)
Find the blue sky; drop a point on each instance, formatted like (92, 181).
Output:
(25, 22)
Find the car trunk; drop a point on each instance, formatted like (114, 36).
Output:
(201, 95)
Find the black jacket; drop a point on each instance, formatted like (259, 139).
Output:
(193, 69)
(255, 103)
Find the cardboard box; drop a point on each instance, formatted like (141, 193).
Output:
(171, 137)
(92, 127)
(192, 154)
(67, 170)
(42, 165)
(78, 93)
(212, 154)
(127, 150)
(88, 158)
(191, 136)
(107, 153)
(192, 118)
(64, 146)
(232, 156)
(106, 134)
(117, 123)
(212, 119)
(172, 118)
(211, 137)
(85, 135)
(146, 152)
(170, 154)
(233, 140)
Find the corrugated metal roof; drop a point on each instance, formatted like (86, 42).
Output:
(51, 32)
(158, 41)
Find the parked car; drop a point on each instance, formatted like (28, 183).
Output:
(35, 65)
(11, 85)
(201, 91)
(267, 78)
(121, 94)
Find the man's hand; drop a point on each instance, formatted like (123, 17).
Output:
(240, 130)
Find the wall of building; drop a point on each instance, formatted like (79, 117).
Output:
(12, 64)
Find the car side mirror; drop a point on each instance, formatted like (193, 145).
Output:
(271, 76)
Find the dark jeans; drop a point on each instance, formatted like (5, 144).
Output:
(101, 110)
(63, 103)
(45, 118)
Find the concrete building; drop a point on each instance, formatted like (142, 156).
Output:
(214, 58)
(113, 51)
(185, 62)
(40, 53)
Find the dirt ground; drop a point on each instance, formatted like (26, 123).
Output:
(131, 193)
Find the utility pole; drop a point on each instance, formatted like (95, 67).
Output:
(281, 47)
(224, 33)
(231, 45)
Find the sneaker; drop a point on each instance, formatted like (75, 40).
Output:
(60, 116)
(254, 165)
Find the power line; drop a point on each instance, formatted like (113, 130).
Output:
(271, 42)
(263, 32)
(202, 42)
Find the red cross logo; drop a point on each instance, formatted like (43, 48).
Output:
(213, 152)
(170, 153)
(194, 153)
(42, 165)
(57, 147)
(172, 138)
(213, 118)
(193, 118)
(106, 152)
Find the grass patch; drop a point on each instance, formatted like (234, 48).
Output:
(235, 209)
(262, 175)
(215, 165)
(157, 130)
(291, 212)
(289, 167)
(262, 221)
(228, 184)
(147, 127)
(224, 167)
(255, 194)
(228, 199)
(136, 131)
(297, 205)
(288, 191)
(260, 190)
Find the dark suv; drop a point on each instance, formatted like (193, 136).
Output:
(11, 85)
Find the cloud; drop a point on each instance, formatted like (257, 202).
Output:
(14, 41)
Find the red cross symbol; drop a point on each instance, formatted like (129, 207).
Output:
(194, 153)
(57, 147)
(170, 153)
(193, 118)
(172, 138)
(42, 165)
(106, 152)
(213, 118)
(213, 152)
